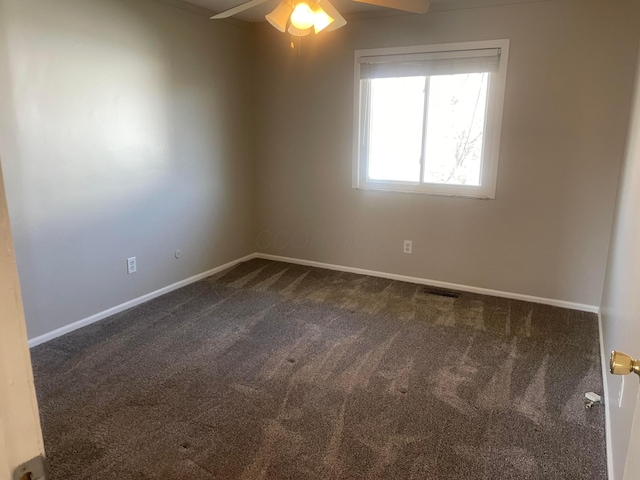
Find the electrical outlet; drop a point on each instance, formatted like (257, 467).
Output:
(132, 266)
(408, 247)
(178, 253)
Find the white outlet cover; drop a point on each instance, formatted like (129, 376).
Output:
(131, 265)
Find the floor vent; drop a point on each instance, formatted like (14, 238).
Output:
(441, 292)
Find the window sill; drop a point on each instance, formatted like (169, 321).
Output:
(421, 191)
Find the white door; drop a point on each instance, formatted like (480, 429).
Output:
(20, 435)
(621, 310)
(632, 469)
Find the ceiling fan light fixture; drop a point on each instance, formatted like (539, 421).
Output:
(302, 17)
(319, 15)
(299, 32)
(280, 16)
(321, 19)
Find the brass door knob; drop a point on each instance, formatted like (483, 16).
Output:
(623, 364)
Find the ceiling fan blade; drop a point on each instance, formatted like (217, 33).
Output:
(240, 8)
(338, 20)
(414, 6)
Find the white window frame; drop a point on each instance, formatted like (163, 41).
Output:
(492, 133)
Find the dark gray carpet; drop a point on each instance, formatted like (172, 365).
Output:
(277, 371)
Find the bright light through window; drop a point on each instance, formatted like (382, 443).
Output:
(455, 132)
(397, 112)
(429, 120)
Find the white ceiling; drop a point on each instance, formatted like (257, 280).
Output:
(256, 14)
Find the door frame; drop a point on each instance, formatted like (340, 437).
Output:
(20, 430)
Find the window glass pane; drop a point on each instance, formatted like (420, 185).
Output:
(395, 135)
(455, 129)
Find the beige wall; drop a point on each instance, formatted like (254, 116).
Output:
(133, 128)
(546, 234)
(621, 299)
(126, 131)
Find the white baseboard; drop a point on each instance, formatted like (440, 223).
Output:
(604, 357)
(132, 303)
(434, 283)
(392, 276)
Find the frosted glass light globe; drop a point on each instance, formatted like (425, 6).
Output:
(302, 16)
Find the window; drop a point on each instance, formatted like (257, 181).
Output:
(428, 119)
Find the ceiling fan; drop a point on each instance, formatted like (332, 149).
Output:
(304, 16)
